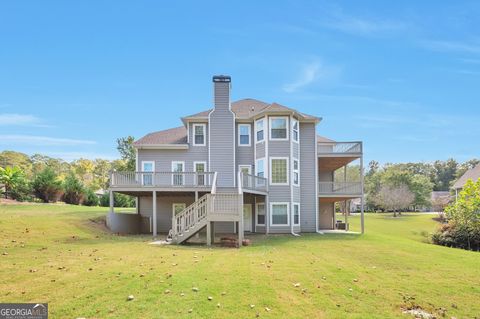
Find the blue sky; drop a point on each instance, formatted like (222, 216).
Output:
(402, 76)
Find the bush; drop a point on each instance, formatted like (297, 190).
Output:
(90, 198)
(120, 200)
(22, 192)
(73, 190)
(458, 236)
(46, 186)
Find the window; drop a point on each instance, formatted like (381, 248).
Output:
(279, 170)
(148, 167)
(177, 208)
(244, 134)
(260, 167)
(260, 210)
(259, 131)
(279, 214)
(177, 167)
(296, 175)
(199, 134)
(199, 168)
(296, 214)
(278, 128)
(295, 130)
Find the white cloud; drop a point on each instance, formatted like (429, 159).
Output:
(452, 46)
(18, 119)
(311, 73)
(41, 140)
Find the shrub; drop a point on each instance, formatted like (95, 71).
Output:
(46, 185)
(120, 200)
(90, 198)
(73, 190)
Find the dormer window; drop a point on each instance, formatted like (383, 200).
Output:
(199, 134)
(278, 128)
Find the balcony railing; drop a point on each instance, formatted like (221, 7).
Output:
(339, 148)
(340, 188)
(162, 179)
(254, 183)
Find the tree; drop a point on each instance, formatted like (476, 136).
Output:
(11, 178)
(17, 159)
(444, 174)
(127, 151)
(73, 190)
(395, 198)
(46, 185)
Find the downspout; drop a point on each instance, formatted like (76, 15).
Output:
(317, 212)
(292, 220)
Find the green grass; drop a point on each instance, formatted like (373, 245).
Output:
(83, 271)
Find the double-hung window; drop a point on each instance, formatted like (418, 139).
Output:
(279, 170)
(296, 172)
(278, 128)
(296, 214)
(260, 167)
(244, 134)
(199, 134)
(279, 214)
(260, 214)
(259, 130)
(295, 131)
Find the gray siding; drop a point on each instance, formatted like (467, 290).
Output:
(308, 180)
(260, 150)
(222, 146)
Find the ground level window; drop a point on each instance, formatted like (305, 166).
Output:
(261, 214)
(279, 212)
(296, 214)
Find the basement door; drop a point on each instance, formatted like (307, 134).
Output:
(247, 217)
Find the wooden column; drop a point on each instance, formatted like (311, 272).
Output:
(346, 215)
(154, 215)
(112, 204)
(209, 233)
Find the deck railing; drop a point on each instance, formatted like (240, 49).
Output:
(339, 148)
(161, 179)
(254, 183)
(339, 188)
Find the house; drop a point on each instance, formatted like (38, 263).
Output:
(243, 166)
(473, 174)
(439, 200)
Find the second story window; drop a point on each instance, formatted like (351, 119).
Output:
(278, 170)
(295, 130)
(199, 134)
(259, 131)
(296, 174)
(244, 134)
(260, 167)
(278, 128)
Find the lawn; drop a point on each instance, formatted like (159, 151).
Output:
(60, 255)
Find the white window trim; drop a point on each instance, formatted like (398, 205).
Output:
(295, 170)
(256, 214)
(256, 129)
(247, 166)
(264, 164)
(148, 162)
(183, 170)
(271, 213)
(195, 170)
(173, 208)
(271, 171)
(270, 128)
(249, 134)
(204, 127)
(293, 213)
(298, 130)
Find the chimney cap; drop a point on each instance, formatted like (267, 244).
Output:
(222, 78)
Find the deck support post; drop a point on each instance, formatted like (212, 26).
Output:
(112, 204)
(154, 221)
(196, 195)
(209, 233)
(267, 214)
(346, 215)
(362, 199)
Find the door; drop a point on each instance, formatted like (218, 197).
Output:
(148, 167)
(245, 169)
(247, 217)
(177, 167)
(200, 178)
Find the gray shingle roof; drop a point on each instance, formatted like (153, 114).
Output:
(473, 174)
(177, 135)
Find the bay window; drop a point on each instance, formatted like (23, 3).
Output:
(279, 170)
(278, 128)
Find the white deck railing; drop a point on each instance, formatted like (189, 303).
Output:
(190, 216)
(161, 179)
(339, 188)
(254, 183)
(339, 148)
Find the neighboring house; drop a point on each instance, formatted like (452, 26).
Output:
(439, 200)
(243, 166)
(473, 174)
